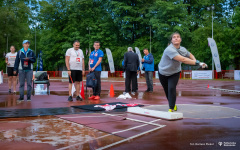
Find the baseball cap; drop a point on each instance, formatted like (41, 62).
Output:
(25, 41)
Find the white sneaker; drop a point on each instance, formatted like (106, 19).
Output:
(122, 96)
(127, 95)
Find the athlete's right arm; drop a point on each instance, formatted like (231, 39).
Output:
(6, 60)
(90, 69)
(67, 64)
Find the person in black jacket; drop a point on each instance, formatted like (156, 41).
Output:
(24, 64)
(131, 66)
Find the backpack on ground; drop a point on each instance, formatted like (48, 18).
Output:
(91, 80)
(41, 76)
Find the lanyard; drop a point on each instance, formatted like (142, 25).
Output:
(95, 52)
(25, 52)
(76, 53)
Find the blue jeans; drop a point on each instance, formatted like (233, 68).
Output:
(149, 80)
(22, 77)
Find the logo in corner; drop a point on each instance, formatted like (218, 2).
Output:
(220, 143)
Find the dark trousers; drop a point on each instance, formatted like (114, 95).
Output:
(169, 84)
(131, 77)
(97, 89)
(149, 80)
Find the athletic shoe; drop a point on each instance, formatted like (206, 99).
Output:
(97, 97)
(78, 98)
(14, 92)
(29, 99)
(175, 108)
(9, 91)
(127, 95)
(70, 98)
(150, 91)
(133, 93)
(147, 90)
(20, 99)
(170, 110)
(92, 97)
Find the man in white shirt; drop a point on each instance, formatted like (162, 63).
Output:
(76, 68)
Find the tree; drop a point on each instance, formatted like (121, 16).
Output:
(14, 18)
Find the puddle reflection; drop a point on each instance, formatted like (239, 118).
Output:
(11, 100)
(57, 132)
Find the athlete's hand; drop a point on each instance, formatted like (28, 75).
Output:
(69, 73)
(83, 73)
(203, 65)
(92, 69)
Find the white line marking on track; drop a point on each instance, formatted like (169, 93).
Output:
(84, 117)
(136, 120)
(127, 139)
(110, 145)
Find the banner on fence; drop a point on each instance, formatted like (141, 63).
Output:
(1, 77)
(124, 75)
(110, 60)
(215, 55)
(104, 74)
(236, 74)
(64, 74)
(156, 75)
(202, 74)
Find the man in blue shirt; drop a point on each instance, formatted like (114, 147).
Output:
(148, 64)
(95, 60)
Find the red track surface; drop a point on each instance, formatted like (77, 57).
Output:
(189, 133)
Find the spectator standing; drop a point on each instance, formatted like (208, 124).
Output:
(12, 78)
(24, 65)
(74, 60)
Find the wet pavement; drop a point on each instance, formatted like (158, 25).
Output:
(211, 118)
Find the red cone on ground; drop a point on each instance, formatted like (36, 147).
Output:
(208, 86)
(82, 92)
(111, 91)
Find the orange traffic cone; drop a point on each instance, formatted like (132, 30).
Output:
(208, 86)
(111, 91)
(82, 91)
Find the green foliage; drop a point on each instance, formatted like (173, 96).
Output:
(120, 24)
(14, 27)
